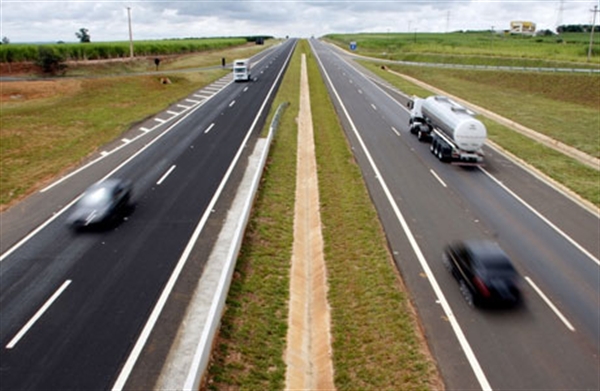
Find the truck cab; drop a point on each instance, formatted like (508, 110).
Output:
(241, 70)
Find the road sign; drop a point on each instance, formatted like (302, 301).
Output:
(352, 45)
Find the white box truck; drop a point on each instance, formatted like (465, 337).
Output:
(241, 70)
(456, 135)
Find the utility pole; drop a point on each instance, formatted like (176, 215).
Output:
(595, 11)
(130, 33)
(561, 9)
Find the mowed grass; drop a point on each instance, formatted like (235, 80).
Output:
(477, 48)
(563, 106)
(376, 341)
(49, 126)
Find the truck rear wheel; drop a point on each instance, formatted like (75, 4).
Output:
(443, 154)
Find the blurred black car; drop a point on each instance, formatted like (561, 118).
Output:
(102, 204)
(484, 272)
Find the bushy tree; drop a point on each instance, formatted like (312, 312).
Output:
(50, 60)
(5, 41)
(84, 35)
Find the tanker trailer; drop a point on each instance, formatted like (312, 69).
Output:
(456, 135)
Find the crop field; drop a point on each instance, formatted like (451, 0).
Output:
(482, 48)
(109, 50)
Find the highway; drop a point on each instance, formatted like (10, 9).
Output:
(552, 341)
(74, 304)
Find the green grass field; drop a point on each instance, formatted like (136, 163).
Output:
(476, 48)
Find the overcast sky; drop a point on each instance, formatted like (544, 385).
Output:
(56, 20)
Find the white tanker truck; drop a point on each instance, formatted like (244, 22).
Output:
(456, 136)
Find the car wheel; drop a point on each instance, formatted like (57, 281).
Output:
(464, 289)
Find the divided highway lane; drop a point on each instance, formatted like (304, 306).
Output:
(72, 305)
(532, 347)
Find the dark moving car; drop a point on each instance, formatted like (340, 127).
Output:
(102, 204)
(484, 272)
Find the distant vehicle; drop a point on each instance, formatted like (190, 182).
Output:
(456, 135)
(101, 204)
(484, 272)
(241, 70)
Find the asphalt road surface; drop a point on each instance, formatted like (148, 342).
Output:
(73, 304)
(551, 341)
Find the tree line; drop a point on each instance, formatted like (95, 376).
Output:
(577, 28)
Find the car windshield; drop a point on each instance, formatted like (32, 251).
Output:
(96, 197)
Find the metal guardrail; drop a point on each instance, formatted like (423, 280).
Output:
(254, 174)
(477, 67)
(485, 67)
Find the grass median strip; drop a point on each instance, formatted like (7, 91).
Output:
(250, 347)
(376, 340)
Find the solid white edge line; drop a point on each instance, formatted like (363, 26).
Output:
(145, 334)
(550, 304)
(37, 315)
(513, 194)
(162, 178)
(193, 379)
(437, 177)
(145, 130)
(470, 355)
(542, 217)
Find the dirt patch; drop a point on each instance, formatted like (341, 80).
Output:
(21, 91)
(18, 69)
